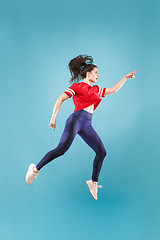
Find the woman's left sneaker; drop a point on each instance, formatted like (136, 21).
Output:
(31, 174)
(93, 188)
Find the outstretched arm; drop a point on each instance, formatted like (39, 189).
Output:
(118, 85)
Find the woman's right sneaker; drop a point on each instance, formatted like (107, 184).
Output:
(31, 174)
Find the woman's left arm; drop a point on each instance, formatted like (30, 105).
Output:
(118, 85)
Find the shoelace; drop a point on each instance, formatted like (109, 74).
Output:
(35, 174)
(99, 186)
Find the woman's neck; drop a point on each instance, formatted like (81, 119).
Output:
(87, 81)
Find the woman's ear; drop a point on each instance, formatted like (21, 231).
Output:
(88, 74)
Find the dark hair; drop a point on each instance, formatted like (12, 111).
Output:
(79, 67)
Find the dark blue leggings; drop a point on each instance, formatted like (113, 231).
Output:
(78, 122)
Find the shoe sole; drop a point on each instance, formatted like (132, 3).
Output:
(90, 191)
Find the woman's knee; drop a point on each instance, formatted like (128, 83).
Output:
(62, 148)
(104, 152)
(101, 152)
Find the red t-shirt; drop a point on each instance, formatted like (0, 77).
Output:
(84, 95)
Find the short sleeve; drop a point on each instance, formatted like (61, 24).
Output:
(71, 90)
(101, 91)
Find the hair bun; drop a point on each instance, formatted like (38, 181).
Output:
(83, 64)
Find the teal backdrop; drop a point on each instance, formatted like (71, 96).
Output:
(37, 41)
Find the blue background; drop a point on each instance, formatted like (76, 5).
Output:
(37, 41)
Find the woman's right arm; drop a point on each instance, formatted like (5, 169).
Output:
(118, 85)
(57, 105)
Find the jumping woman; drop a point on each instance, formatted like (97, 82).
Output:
(86, 99)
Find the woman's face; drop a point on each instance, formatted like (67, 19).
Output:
(94, 75)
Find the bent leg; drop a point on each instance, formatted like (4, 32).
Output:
(68, 135)
(90, 136)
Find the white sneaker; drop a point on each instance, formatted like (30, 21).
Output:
(31, 174)
(93, 188)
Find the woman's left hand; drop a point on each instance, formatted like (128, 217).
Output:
(130, 75)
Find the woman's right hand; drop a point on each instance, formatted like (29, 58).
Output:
(130, 75)
(53, 123)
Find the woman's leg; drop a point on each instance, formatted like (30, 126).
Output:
(89, 135)
(68, 135)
